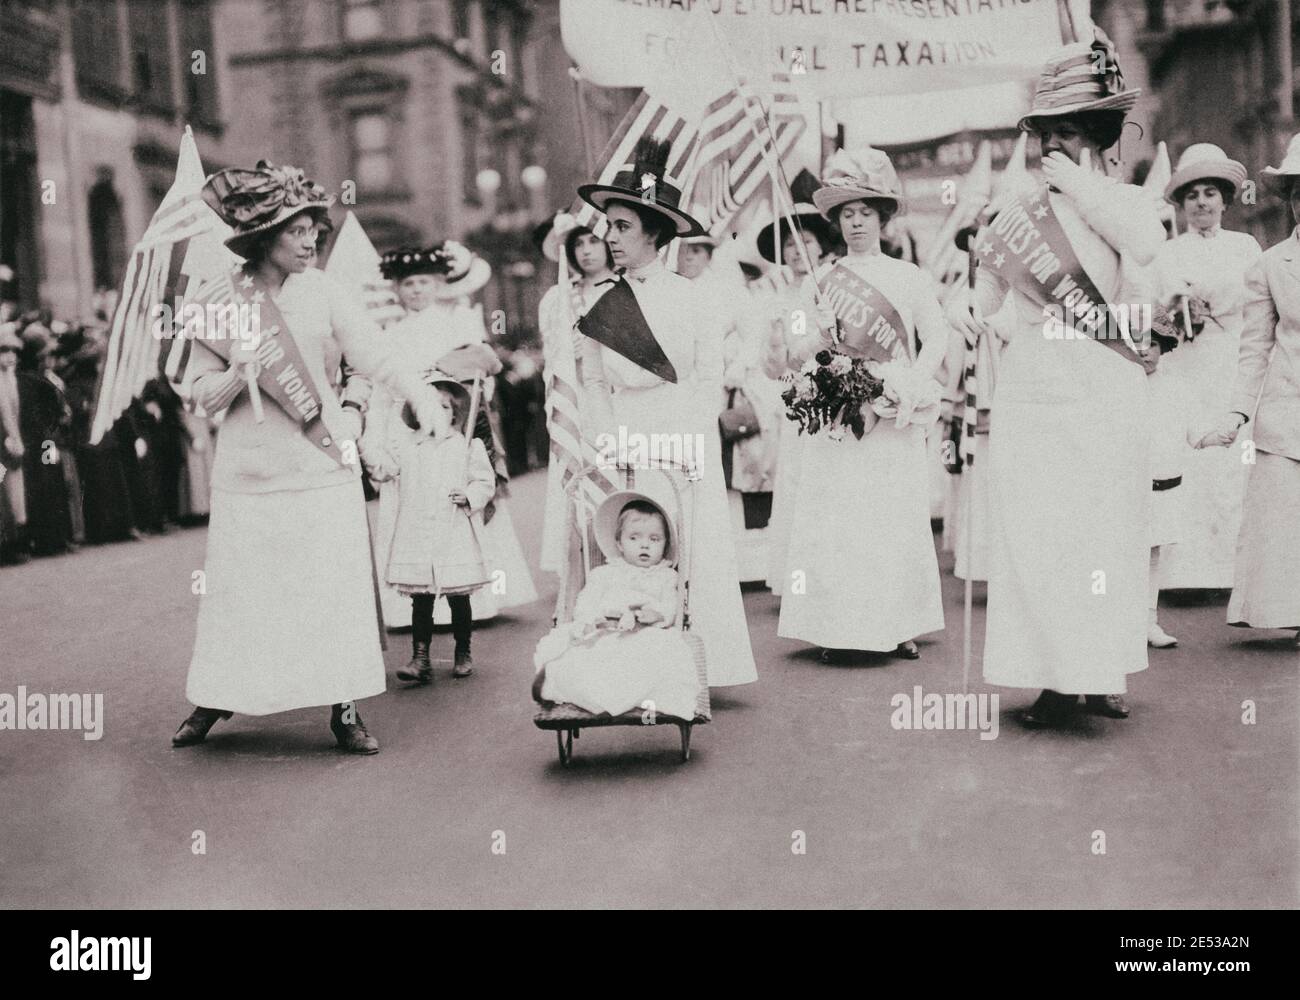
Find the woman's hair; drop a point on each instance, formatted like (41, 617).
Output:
(639, 508)
(571, 249)
(257, 248)
(1224, 187)
(655, 224)
(884, 209)
(1101, 128)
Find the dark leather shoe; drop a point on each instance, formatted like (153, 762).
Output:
(908, 651)
(464, 664)
(1050, 710)
(195, 728)
(1112, 706)
(352, 736)
(419, 670)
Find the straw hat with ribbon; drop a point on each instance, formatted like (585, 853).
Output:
(865, 174)
(255, 201)
(1203, 161)
(606, 524)
(1080, 77)
(644, 182)
(1290, 168)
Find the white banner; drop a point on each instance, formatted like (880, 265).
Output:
(837, 48)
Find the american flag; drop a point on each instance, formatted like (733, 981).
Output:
(159, 270)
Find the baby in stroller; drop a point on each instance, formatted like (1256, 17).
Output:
(623, 649)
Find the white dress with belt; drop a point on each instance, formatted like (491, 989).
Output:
(861, 562)
(1070, 484)
(621, 394)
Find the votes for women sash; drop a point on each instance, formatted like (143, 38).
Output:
(616, 320)
(869, 325)
(243, 308)
(1026, 246)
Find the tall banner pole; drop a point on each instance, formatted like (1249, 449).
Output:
(587, 156)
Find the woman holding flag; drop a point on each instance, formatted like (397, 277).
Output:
(656, 372)
(287, 617)
(1068, 473)
(864, 574)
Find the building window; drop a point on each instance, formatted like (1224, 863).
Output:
(491, 29)
(107, 234)
(196, 36)
(372, 150)
(518, 40)
(469, 155)
(363, 19)
(96, 49)
(151, 55)
(460, 18)
(19, 213)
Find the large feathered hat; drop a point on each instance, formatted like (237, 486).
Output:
(864, 175)
(463, 271)
(771, 238)
(644, 182)
(253, 201)
(1081, 76)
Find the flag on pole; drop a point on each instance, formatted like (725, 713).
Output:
(354, 263)
(155, 275)
(1157, 179)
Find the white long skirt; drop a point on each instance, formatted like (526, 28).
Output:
(1070, 490)
(864, 574)
(1214, 479)
(1267, 594)
(789, 449)
(288, 618)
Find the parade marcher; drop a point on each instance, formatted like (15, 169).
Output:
(443, 485)
(443, 332)
(1266, 584)
(14, 547)
(45, 420)
(1205, 268)
(789, 309)
(624, 395)
(589, 264)
(861, 537)
(1068, 454)
(288, 617)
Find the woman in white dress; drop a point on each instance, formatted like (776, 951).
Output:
(1206, 267)
(586, 263)
(861, 554)
(623, 395)
(789, 309)
(1266, 395)
(443, 331)
(287, 619)
(1068, 463)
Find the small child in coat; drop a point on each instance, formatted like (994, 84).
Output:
(621, 650)
(443, 484)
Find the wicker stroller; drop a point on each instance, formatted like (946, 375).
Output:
(567, 720)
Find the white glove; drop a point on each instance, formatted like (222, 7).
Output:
(964, 315)
(1064, 174)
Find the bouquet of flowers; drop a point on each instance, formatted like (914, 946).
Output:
(830, 391)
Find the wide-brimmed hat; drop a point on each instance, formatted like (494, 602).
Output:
(1204, 161)
(437, 380)
(1070, 82)
(772, 237)
(706, 240)
(463, 271)
(1278, 176)
(254, 201)
(863, 175)
(644, 182)
(606, 524)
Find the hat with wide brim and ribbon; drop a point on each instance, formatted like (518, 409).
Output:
(462, 272)
(253, 202)
(1204, 161)
(436, 380)
(644, 182)
(606, 524)
(864, 175)
(1279, 177)
(1080, 77)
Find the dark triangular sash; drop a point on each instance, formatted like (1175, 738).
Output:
(868, 324)
(617, 322)
(283, 375)
(1026, 246)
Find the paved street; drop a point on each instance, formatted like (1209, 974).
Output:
(1197, 808)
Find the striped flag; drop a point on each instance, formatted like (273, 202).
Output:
(155, 275)
(354, 262)
(740, 142)
(648, 116)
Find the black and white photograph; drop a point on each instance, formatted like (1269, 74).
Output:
(651, 454)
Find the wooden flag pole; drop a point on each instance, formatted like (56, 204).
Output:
(972, 262)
